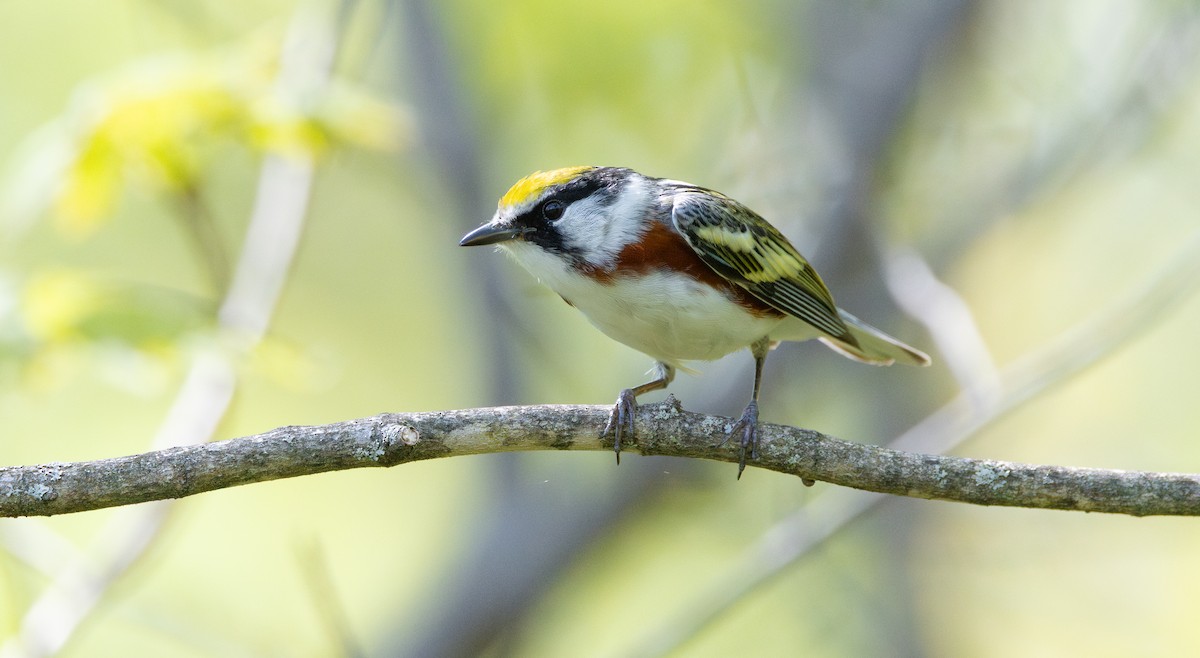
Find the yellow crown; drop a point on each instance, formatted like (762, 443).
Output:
(532, 186)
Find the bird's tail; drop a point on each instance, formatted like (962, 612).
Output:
(874, 346)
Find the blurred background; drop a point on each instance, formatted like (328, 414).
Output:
(221, 218)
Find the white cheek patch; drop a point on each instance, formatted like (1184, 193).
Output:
(598, 232)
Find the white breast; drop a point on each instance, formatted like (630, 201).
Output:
(670, 317)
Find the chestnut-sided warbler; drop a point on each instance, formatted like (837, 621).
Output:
(675, 271)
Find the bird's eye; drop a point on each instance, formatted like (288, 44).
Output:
(553, 209)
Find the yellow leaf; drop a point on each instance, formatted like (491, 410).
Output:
(90, 189)
(362, 120)
(56, 302)
(286, 131)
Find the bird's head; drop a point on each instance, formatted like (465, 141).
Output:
(583, 215)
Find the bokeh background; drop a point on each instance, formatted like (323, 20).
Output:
(1010, 185)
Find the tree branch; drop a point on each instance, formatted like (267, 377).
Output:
(663, 429)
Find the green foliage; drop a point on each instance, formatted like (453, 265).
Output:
(161, 126)
(1041, 160)
(163, 123)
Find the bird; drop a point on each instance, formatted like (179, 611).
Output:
(678, 272)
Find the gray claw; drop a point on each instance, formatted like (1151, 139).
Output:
(747, 425)
(620, 423)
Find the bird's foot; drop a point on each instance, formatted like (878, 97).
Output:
(747, 427)
(620, 423)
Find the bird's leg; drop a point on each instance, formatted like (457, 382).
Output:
(620, 423)
(747, 425)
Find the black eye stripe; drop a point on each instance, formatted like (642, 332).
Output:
(564, 197)
(601, 186)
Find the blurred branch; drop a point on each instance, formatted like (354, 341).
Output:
(523, 538)
(663, 429)
(451, 134)
(1159, 76)
(273, 235)
(947, 317)
(958, 420)
(201, 227)
(331, 612)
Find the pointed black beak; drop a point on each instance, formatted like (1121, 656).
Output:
(491, 234)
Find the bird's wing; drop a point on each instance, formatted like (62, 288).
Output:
(741, 246)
